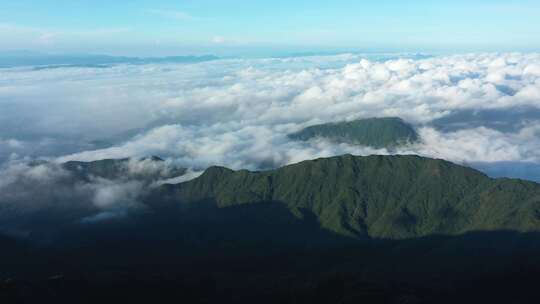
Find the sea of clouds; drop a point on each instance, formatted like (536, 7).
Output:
(237, 112)
(481, 110)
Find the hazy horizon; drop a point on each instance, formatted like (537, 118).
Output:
(165, 27)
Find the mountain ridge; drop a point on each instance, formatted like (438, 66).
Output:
(376, 196)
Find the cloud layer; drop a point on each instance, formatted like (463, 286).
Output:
(238, 112)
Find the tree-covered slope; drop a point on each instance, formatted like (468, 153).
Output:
(375, 132)
(376, 196)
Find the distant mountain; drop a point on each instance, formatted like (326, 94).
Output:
(375, 132)
(49, 61)
(151, 168)
(391, 197)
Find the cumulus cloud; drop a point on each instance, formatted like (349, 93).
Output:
(113, 198)
(11, 144)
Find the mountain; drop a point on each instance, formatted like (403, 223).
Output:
(375, 132)
(384, 197)
(347, 229)
(50, 61)
(149, 169)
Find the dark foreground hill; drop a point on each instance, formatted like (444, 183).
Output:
(385, 132)
(377, 229)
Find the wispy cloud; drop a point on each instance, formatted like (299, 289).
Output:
(172, 14)
(46, 38)
(218, 39)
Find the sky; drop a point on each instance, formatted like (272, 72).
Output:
(165, 27)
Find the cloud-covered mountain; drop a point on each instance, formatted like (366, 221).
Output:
(149, 169)
(388, 132)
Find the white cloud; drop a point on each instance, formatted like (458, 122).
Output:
(189, 175)
(172, 14)
(111, 195)
(46, 38)
(481, 145)
(218, 39)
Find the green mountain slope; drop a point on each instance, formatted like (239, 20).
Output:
(374, 132)
(393, 197)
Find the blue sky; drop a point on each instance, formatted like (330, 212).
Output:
(165, 27)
